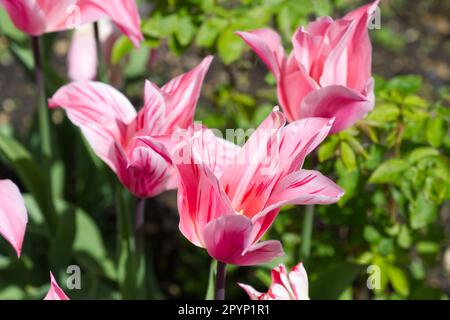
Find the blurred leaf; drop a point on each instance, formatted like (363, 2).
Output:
(209, 31)
(121, 48)
(436, 131)
(328, 149)
(399, 280)
(230, 46)
(422, 212)
(348, 156)
(406, 85)
(333, 281)
(185, 30)
(421, 153)
(388, 171)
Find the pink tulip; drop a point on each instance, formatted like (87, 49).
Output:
(55, 292)
(83, 45)
(36, 17)
(328, 73)
(227, 200)
(110, 124)
(285, 286)
(13, 215)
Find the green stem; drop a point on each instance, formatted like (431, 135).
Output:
(43, 114)
(101, 67)
(308, 223)
(44, 136)
(220, 280)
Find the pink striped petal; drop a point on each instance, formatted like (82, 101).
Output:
(100, 111)
(344, 104)
(305, 187)
(181, 95)
(299, 282)
(55, 292)
(252, 293)
(123, 13)
(151, 118)
(13, 215)
(147, 172)
(200, 200)
(267, 45)
(228, 239)
(248, 182)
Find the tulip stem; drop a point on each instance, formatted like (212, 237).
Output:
(139, 223)
(43, 114)
(220, 280)
(101, 69)
(308, 223)
(44, 134)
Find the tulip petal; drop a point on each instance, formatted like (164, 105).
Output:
(200, 199)
(151, 117)
(55, 292)
(344, 104)
(248, 182)
(147, 172)
(100, 111)
(123, 13)
(252, 293)
(299, 282)
(13, 215)
(82, 57)
(228, 239)
(26, 15)
(360, 47)
(181, 95)
(305, 187)
(292, 87)
(267, 45)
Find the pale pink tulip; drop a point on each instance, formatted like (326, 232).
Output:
(36, 17)
(110, 124)
(13, 215)
(82, 59)
(55, 292)
(285, 286)
(328, 73)
(227, 200)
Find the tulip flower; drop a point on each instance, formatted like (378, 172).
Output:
(227, 202)
(83, 45)
(110, 124)
(285, 286)
(328, 73)
(13, 215)
(37, 17)
(55, 292)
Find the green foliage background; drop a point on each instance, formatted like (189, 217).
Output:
(393, 165)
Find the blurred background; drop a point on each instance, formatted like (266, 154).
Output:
(393, 165)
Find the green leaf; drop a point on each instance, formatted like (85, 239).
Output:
(209, 31)
(121, 48)
(230, 46)
(436, 131)
(388, 171)
(422, 212)
(185, 30)
(422, 153)
(333, 281)
(399, 280)
(328, 149)
(348, 156)
(404, 238)
(406, 85)
(383, 113)
(371, 234)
